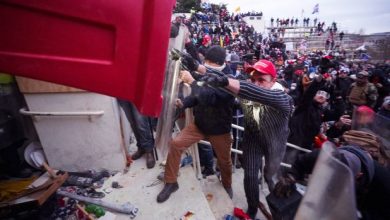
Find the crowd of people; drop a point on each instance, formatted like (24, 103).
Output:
(304, 98)
(294, 22)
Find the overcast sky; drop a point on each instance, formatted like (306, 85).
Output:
(372, 16)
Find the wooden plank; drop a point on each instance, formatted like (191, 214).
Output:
(32, 198)
(58, 181)
(27, 85)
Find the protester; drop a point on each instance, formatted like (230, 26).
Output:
(362, 92)
(143, 132)
(372, 181)
(311, 112)
(266, 118)
(213, 118)
(385, 109)
(319, 111)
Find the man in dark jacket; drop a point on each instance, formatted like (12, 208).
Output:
(306, 121)
(372, 181)
(343, 82)
(213, 111)
(143, 132)
(310, 113)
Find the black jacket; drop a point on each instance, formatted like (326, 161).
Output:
(213, 108)
(372, 200)
(308, 116)
(342, 85)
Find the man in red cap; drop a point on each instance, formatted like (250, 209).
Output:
(266, 117)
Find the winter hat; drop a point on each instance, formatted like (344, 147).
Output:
(234, 58)
(352, 161)
(264, 67)
(366, 162)
(363, 74)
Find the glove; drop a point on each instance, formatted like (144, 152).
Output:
(215, 80)
(190, 63)
(284, 187)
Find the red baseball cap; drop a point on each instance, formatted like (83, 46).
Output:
(265, 67)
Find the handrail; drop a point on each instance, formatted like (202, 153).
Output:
(23, 111)
(232, 149)
(288, 144)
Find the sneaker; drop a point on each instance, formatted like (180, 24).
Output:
(229, 191)
(208, 172)
(168, 189)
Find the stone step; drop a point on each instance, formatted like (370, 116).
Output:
(219, 201)
(139, 190)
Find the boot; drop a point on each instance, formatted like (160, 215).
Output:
(168, 189)
(150, 161)
(140, 152)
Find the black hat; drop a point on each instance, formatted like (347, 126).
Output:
(216, 54)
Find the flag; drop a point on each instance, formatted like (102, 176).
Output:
(316, 8)
(205, 5)
(237, 9)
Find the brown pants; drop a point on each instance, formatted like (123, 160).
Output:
(190, 135)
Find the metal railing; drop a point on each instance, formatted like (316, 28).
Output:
(236, 151)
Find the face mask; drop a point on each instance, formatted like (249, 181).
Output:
(293, 86)
(238, 72)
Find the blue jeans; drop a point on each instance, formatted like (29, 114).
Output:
(206, 156)
(140, 124)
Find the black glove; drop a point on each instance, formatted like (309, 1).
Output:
(284, 187)
(190, 63)
(215, 80)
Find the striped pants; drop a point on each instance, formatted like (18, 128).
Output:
(253, 151)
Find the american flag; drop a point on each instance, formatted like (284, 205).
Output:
(316, 9)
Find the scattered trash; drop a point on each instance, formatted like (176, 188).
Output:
(209, 197)
(240, 214)
(126, 208)
(188, 216)
(66, 208)
(87, 192)
(82, 214)
(116, 185)
(108, 216)
(96, 210)
(107, 190)
(155, 183)
(78, 181)
(230, 217)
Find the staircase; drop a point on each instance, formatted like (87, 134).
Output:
(315, 42)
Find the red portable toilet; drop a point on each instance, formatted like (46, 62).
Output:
(117, 48)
